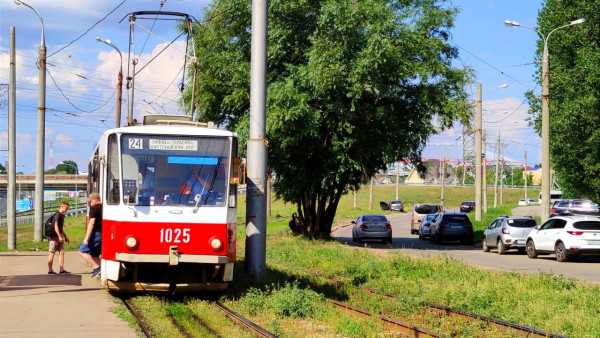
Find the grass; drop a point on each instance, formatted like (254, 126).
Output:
(288, 300)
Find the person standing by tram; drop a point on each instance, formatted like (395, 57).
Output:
(91, 247)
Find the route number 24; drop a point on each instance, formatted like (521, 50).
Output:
(177, 235)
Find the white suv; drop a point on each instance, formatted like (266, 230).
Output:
(566, 236)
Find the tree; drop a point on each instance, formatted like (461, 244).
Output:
(64, 167)
(352, 85)
(574, 94)
(2, 169)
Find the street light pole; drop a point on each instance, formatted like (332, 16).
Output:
(119, 79)
(546, 183)
(40, 142)
(478, 153)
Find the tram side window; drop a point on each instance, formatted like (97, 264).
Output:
(112, 164)
(94, 173)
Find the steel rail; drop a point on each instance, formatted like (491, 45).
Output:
(390, 323)
(138, 317)
(259, 331)
(513, 328)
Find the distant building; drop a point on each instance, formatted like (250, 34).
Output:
(433, 175)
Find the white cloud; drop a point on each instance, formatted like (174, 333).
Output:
(63, 140)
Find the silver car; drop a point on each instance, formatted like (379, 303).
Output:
(507, 233)
(424, 226)
(372, 227)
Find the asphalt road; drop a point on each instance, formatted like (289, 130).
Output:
(587, 268)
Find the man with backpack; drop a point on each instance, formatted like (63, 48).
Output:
(56, 238)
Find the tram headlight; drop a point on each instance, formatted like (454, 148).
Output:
(131, 242)
(215, 243)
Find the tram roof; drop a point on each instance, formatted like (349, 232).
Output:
(171, 130)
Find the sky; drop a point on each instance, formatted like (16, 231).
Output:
(82, 80)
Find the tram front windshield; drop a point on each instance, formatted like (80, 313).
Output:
(172, 170)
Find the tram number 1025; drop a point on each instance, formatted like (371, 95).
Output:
(168, 235)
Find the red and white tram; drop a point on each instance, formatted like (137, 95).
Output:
(169, 191)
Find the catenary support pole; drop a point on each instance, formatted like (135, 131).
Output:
(525, 177)
(478, 157)
(256, 219)
(11, 216)
(497, 169)
(484, 174)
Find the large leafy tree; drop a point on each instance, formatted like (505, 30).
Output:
(574, 94)
(352, 85)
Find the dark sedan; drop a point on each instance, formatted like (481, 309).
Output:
(467, 206)
(574, 207)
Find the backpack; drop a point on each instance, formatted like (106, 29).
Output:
(49, 227)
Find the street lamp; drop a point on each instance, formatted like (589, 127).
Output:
(478, 153)
(120, 81)
(41, 127)
(546, 183)
(76, 176)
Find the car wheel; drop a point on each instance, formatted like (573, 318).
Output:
(501, 247)
(388, 240)
(486, 248)
(530, 248)
(561, 252)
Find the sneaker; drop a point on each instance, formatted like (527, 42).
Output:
(65, 272)
(52, 273)
(96, 272)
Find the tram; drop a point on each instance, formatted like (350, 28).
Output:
(168, 188)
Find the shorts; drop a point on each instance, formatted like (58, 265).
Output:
(54, 245)
(94, 245)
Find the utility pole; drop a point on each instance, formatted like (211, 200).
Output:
(443, 177)
(397, 177)
(41, 135)
(497, 168)
(525, 176)
(371, 195)
(11, 216)
(502, 180)
(478, 158)
(256, 218)
(484, 151)
(355, 199)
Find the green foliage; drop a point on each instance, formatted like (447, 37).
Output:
(574, 94)
(288, 301)
(64, 167)
(2, 169)
(342, 76)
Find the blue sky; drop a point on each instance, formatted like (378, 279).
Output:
(86, 71)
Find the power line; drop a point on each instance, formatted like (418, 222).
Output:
(88, 30)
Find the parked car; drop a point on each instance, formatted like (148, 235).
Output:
(372, 227)
(565, 236)
(451, 226)
(507, 232)
(396, 205)
(574, 207)
(419, 212)
(529, 201)
(425, 224)
(467, 206)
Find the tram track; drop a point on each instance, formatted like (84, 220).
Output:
(233, 316)
(505, 326)
(392, 324)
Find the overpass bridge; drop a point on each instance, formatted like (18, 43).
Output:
(51, 182)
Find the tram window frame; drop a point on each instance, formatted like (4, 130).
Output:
(113, 187)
